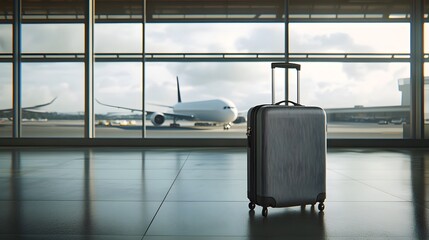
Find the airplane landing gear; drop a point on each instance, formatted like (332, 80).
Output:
(227, 126)
(174, 124)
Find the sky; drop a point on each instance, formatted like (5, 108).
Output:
(328, 85)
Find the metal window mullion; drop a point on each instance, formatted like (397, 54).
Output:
(416, 69)
(16, 81)
(143, 69)
(89, 69)
(286, 42)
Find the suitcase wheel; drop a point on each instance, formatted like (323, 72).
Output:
(265, 211)
(251, 206)
(321, 206)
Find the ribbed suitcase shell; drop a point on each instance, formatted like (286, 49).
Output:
(286, 155)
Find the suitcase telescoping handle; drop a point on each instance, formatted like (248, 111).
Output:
(286, 66)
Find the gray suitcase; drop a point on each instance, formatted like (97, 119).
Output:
(286, 157)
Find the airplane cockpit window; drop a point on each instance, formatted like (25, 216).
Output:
(228, 107)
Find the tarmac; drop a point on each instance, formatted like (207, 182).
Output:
(75, 129)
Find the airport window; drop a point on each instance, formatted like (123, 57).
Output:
(5, 99)
(355, 61)
(118, 94)
(5, 39)
(426, 80)
(242, 84)
(215, 38)
(362, 100)
(52, 38)
(118, 38)
(58, 86)
(426, 101)
(350, 38)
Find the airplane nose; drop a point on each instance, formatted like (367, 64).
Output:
(234, 113)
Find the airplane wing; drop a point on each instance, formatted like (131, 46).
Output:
(40, 105)
(31, 108)
(119, 107)
(174, 115)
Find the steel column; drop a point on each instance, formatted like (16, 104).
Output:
(16, 82)
(143, 69)
(89, 69)
(286, 51)
(417, 61)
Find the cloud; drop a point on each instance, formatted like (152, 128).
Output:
(4, 44)
(118, 38)
(118, 84)
(356, 71)
(325, 43)
(5, 38)
(53, 38)
(44, 81)
(267, 39)
(210, 37)
(330, 85)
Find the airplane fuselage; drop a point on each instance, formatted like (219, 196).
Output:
(216, 110)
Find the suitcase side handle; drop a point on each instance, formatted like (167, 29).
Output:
(286, 103)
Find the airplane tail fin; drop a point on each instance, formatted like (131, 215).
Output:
(179, 99)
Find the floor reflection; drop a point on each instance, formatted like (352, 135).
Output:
(300, 222)
(164, 194)
(419, 168)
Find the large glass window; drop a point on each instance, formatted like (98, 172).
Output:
(118, 94)
(6, 100)
(357, 70)
(362, 100)
(52, 38)
(6, 111)
(349, 38)
(215, 38)
(58, 86)
(426, 79)
(236, 87)
(5, 39)
(118, 85)
(118, 38)
(426, 100)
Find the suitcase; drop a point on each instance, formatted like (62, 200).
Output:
(286, 154)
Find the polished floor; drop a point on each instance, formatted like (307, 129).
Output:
(166, 194)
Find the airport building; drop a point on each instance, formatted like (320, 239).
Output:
(97, 67)
(127, 119)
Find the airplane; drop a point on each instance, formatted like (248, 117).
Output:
(209, 111)
(28, 109)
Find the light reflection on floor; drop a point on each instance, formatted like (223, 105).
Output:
(184, 193)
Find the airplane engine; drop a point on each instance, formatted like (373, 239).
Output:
(157, 119)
